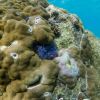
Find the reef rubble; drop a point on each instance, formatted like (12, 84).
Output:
(46, 53)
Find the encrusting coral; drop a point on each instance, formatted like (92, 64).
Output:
(45, 53)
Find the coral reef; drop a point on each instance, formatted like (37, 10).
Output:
(46, 54)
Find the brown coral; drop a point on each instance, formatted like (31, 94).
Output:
(29, 76)
(23, 75)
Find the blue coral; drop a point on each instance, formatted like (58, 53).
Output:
(46, 51)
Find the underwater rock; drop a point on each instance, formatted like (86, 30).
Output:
(72, 35)
(51, 9)
(68, 66)
(85, 47)
(71, 67)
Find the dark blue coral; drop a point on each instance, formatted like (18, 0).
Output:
(46, 51)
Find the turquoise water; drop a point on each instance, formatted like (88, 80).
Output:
(87, 10)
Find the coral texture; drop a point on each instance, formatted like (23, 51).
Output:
(46, 54)
(23, 74)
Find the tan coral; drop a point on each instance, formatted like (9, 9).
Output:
(41, 79)
(41, 29)
(15, 30)
(20, 67)
(38, 10)
(24, 65)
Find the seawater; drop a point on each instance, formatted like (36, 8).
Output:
(87, 10)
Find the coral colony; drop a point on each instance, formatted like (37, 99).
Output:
(46, 54)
